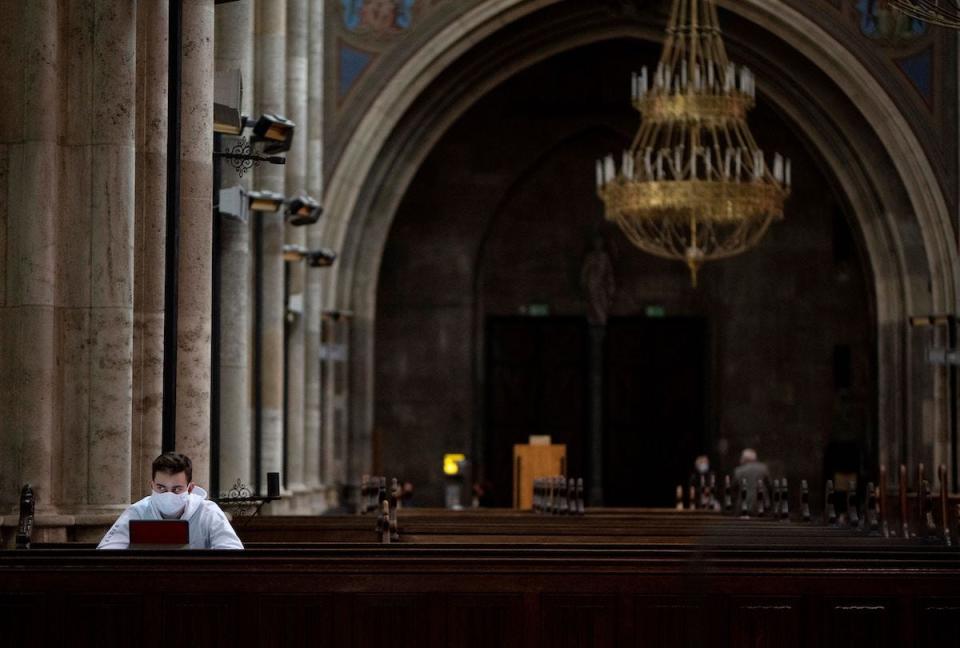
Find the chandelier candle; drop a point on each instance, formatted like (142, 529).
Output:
(694, 185)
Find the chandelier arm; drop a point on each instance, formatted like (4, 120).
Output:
(642, 136)
(674, 21)
(720, 171)
(678, 239)
(748, 143)
(694, 36)
(750, 241)
(733, 145)
(643, 243)
(932, 12)
(720, 49)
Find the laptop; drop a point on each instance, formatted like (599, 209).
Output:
(159, 534)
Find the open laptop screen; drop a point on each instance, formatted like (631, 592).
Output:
(164, 533)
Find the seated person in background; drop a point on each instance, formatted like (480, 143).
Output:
(753, 471)
(176, 497)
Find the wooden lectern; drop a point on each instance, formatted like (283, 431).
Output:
(531, 462)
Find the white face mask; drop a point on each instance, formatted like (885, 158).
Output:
(169, 504)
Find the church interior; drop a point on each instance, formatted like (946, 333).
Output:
(485, 322)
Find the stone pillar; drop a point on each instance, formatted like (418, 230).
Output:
(270, 44)
(295, 183)
(66, 335)
(110, 344)
(149, 240)
(312, 295)
(196, 237)
(330, 469)
(29, 213)
(234, 51)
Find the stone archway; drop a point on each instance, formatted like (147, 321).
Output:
(902, 214)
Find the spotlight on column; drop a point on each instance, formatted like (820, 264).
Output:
(294, 253)
(275, 132)
(303, 210)
(265, 201)
(321, 258)
(236, 204)
(336, 315)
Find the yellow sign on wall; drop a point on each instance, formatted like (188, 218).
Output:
(451, 463)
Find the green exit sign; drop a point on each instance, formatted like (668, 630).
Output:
(537, 310)
(655, 311)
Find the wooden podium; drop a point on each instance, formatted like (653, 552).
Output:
(531, 462)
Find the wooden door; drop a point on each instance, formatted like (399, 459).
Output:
(654, 407)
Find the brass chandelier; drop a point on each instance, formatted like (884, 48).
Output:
(694, 185)
(945, 13)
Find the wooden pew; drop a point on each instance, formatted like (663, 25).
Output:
(361, 596)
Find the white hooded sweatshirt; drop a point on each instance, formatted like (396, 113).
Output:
(209, 527)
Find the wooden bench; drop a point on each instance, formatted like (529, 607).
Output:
(441, 596)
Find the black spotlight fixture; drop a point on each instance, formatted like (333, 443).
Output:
(303, 210)
(236, 203)
(321, 258)
(275, 132)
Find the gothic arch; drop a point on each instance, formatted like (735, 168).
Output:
(890, 183)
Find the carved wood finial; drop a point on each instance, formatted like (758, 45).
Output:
(904, 511)
(580, 504)
(882, 503)
(873, 523)
(784, 500)
(853, 515)
(744, 502)
(775, 510)
(804, 501)
(930, 527)
(829, 507)
(761, 497)
(944, 511)
(27, 508)
(384, 527)
(563, 502)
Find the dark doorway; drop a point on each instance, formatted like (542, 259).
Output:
(654, 407)
(537, 372)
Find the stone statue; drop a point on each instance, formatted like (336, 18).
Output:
(598, 282)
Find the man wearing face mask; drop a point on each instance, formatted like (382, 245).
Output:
(176, 497)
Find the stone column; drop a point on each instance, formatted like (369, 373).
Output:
(112, 157)
(149, 240)
(29, 213)
(196, 237)
(68, 320)
(270, 43)
(332, 473)
(312, 295)
(295, 183)
(234, 51)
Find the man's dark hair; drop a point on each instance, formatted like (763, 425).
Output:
(172, 463)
